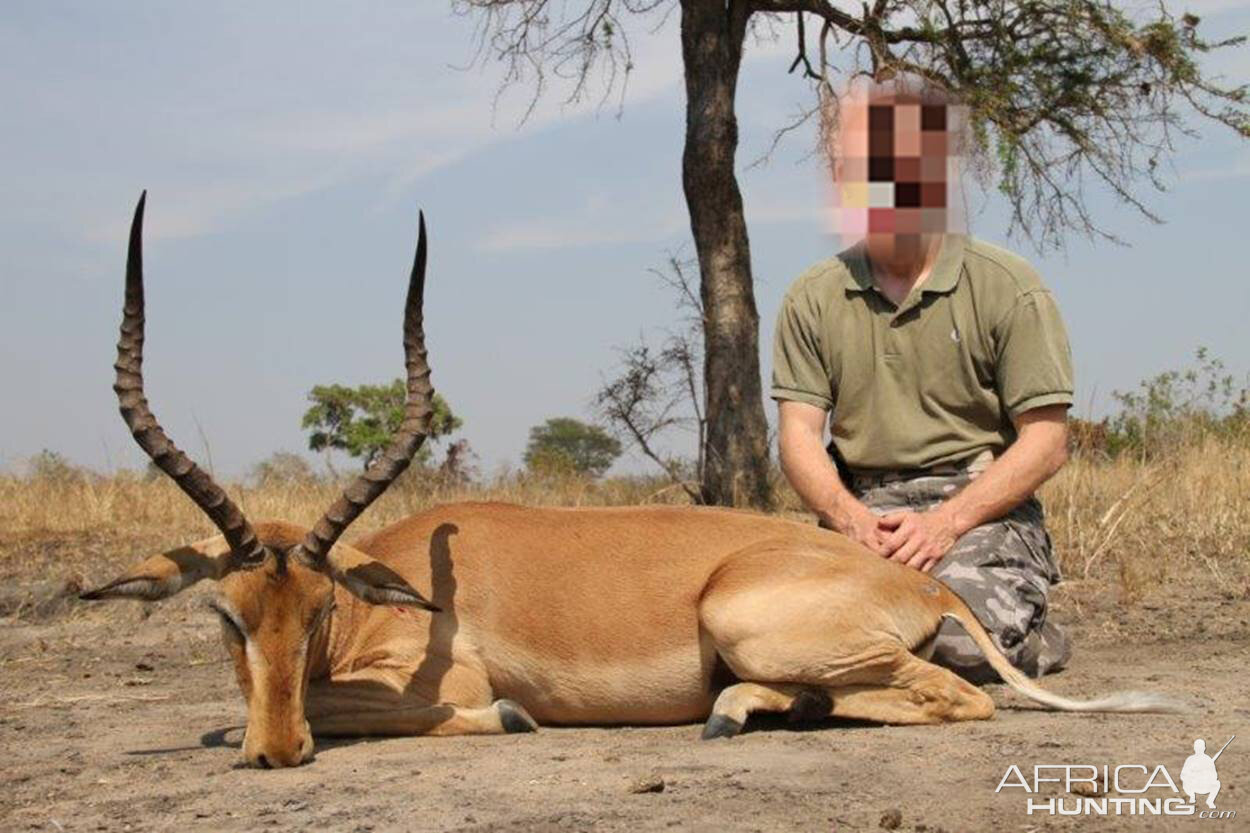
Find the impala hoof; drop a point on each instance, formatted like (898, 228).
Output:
(515, 718)
(719, 726)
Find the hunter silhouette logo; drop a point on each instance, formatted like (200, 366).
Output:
(1106, 789)
(1198, 775)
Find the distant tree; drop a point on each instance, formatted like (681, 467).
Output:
(660, 390)
(457, 468)
(1172, 407)
(362, 420)
(53, 467)
(283, 468)
(1168, 413)
(564, 444)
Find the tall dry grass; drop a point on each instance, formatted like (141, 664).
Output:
(1156, 519)
(1144, 521)
(127, 504)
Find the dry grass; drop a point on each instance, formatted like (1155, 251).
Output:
(128, 505)
(1155, 522)
(1144, 523)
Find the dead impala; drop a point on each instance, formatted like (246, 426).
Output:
(646, 615)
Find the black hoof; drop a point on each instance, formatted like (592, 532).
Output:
(719, 726)
(514, 718)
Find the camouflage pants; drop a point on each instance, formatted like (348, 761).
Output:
(1002, 570)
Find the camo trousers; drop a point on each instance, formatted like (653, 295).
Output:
(1002, 570)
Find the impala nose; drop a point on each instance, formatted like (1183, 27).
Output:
(273, 754)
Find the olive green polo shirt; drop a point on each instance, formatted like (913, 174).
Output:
(936, 380)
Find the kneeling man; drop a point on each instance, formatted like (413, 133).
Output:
(943, 368)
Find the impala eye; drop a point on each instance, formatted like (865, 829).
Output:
(227, 619)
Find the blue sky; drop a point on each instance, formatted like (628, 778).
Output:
(287, 147)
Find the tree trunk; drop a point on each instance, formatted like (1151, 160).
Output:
(736, 450)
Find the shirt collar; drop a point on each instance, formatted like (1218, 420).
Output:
(944, 276)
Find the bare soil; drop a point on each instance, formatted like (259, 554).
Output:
(126, 717)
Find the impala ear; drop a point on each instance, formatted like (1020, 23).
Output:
(371, 580)
(161, 576)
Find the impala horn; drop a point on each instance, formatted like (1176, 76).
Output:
(245, 547)
(386, 467)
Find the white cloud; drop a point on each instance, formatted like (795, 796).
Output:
(1201, 7)
(1236, 170)
(598, 221)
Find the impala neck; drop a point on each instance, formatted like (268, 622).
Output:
(325, 643)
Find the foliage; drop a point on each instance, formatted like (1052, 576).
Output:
(283, 468)
(52, 467)
(562, 445)
(1202, 399)
(1060, 93)
(457, 469)
(361, 421)
(1168, 411)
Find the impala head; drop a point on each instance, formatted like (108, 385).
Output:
(274, 581)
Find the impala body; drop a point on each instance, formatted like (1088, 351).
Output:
(489, 618)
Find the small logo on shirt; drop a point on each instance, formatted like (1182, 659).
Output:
(954, 335)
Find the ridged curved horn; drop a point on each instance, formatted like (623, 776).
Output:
(193, 480)
(418, 413)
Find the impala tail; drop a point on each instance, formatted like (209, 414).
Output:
(1120, 701)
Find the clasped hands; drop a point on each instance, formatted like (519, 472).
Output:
(917, 539)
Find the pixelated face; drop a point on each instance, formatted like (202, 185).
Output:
(894, 164)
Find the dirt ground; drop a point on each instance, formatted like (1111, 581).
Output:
(128, 718)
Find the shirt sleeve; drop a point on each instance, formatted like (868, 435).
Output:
(1034, 367)
(799, 372)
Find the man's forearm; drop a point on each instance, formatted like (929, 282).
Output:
(1009, 481)
(814, 477)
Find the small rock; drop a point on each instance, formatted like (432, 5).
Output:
(648, 784)
(144, 666)
(891, 819)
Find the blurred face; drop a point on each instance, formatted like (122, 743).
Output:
(894, 166)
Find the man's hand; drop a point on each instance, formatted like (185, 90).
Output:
(859, 524)
(918, 539)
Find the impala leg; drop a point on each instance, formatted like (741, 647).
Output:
(736, 702)
(781, 618)
(916, 691)
(898, 688)
(501, 717)
(367, 706)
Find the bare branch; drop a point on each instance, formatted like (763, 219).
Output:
(1062, 94)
